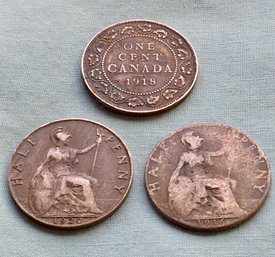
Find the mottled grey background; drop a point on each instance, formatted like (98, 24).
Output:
(41, 43)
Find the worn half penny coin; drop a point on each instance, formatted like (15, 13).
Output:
(207, 177)
(139, 67)
(70, 173)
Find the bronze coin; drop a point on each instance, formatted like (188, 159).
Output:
(139, 67)
(207, 177)
(70, 173)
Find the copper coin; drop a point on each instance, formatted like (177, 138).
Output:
(139, 67)
(70, 173)
(207, 177)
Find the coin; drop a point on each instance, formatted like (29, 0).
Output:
(70, 173)
(139, 67)
(207, 177)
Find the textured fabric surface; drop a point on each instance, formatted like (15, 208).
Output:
(41, 44)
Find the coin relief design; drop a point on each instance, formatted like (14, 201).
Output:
(207, 177)
(139, 67)
(70, 173)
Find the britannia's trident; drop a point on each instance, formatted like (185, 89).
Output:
(98, 141)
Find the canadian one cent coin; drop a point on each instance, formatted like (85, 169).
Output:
(207, 177)
(139, 67)
(70, 173)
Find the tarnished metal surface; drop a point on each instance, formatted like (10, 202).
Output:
(139, 67)
(208, 177)
(70, 173)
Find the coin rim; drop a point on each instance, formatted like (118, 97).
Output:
(73, 226)
(135, 112)
(209, 229)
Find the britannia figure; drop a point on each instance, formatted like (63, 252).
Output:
(57, 187)
(196, 193)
